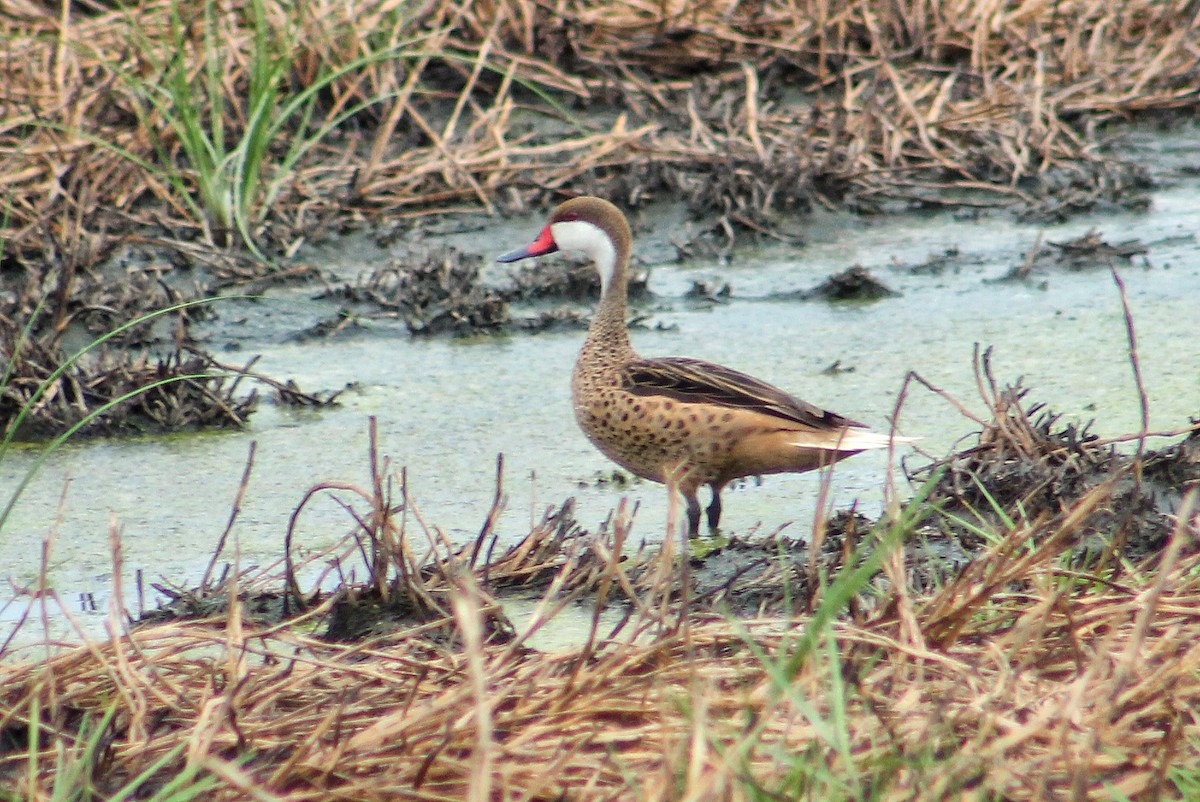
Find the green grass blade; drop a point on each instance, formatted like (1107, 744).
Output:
(185, 785)
(857, 574)
(15, 425)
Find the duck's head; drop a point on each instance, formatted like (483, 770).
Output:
(588, 224)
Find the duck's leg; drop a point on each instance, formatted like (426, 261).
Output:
(677, 477)
(714, 508)
(693, 510)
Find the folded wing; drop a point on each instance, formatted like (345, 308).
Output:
(697, 382)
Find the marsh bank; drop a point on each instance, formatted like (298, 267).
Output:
(448, 406)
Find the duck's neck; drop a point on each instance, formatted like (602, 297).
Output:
(607, 341)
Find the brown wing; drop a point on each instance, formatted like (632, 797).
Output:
(696, 382)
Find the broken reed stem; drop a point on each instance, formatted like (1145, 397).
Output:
(1150, 598)
(234, 511)
(378, 533)
(499, 502)
(959, 407)
(1136, 365)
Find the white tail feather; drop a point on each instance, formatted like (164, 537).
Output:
(850, 439)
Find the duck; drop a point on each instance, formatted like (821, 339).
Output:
(683, 422)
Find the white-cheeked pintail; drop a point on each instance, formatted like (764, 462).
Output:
(680, 421)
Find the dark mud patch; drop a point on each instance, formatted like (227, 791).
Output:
(1088, 252)
(852, 284)
(568, 278)
(433, 292)
(1025, 480)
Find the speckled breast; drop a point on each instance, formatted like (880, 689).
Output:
(648, 436)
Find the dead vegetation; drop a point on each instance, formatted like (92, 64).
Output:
(436, 291)
(320, 117)
(439, 291)
(101, 386)
(1060, 661)
(389, 667)
(1088, 252)
(1072, 696)
(97, 357)
(118, 395)
(1029, 465)
(749, 112)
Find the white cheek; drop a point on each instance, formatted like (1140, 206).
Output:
(577, 235)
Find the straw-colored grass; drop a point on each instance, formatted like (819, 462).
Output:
(1018, 680)
(1024, 676)
(746, 110)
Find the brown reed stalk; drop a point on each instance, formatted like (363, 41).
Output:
(903, 101)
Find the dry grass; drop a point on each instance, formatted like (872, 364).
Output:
(746, 110)
(1017, 681)
(1022, 677)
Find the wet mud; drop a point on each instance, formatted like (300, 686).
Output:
(49, 310)
(1024, 477)
(435, 289)
(852, 284)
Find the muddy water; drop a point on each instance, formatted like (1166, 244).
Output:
(446, 408)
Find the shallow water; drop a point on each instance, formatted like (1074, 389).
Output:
(446, 408)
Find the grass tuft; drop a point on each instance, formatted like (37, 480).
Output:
(1018, 677)
(258, 121)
